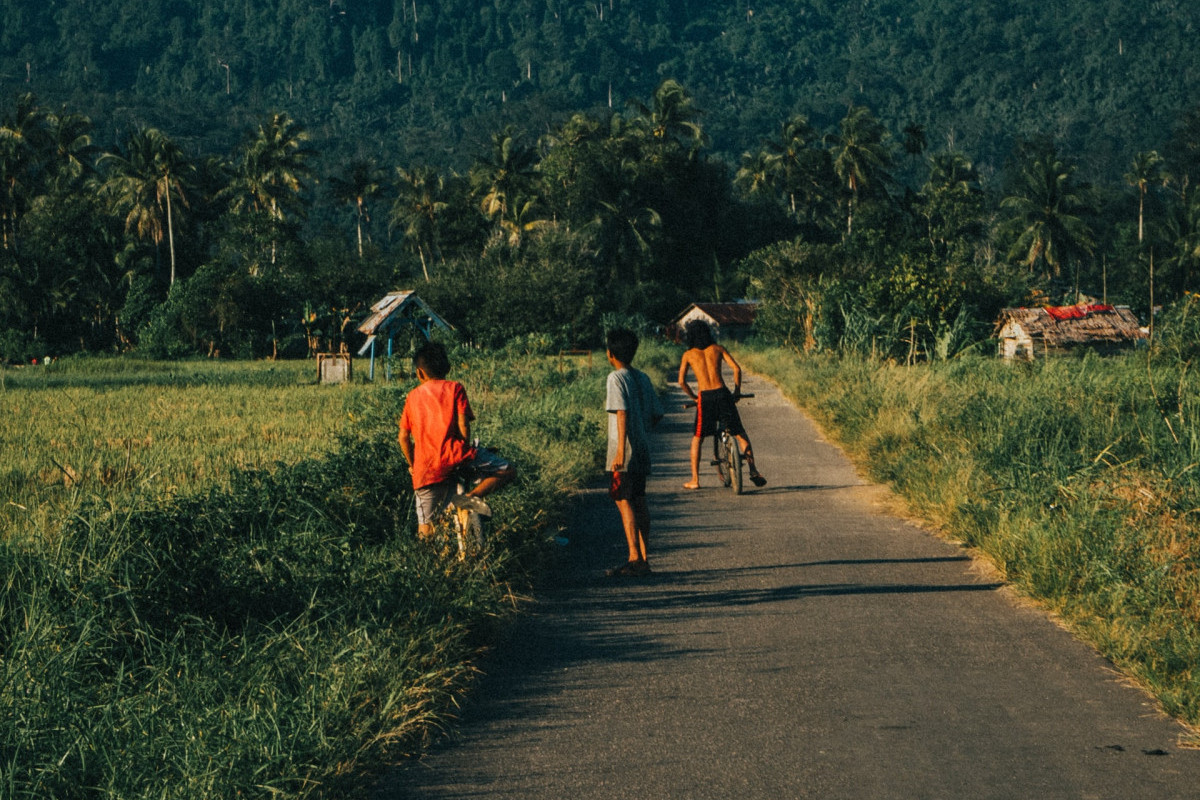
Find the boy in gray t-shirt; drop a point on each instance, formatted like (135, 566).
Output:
(634, 409)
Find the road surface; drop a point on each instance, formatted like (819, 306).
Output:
(795, 642)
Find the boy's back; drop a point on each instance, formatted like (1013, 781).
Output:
(431, 414)
(705, 364)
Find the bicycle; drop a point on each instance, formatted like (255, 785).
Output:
(457, 528)
(727, 456)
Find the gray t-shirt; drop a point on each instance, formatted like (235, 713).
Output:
(631, 391)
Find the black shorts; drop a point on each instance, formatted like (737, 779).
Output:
(717, 406)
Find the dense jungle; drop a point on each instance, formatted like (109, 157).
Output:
(244, 179)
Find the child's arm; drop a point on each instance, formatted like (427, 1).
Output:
(683, 370)
(737, 370)
(463, 425)
(406, 445)
(619, 459)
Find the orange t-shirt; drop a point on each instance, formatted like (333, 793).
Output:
(430, 415)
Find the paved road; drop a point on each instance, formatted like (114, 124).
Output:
(795, 642)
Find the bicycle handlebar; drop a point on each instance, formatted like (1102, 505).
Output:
(736, 398)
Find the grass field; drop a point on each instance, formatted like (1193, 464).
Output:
(227, 598)
(124, 431)
(1076, 477)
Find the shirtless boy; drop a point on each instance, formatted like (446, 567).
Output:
(714, 402)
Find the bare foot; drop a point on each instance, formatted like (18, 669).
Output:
(691, 486)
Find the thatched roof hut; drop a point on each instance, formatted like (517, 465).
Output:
(1028, 332)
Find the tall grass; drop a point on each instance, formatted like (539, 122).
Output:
(1077, 477)
(276, 632)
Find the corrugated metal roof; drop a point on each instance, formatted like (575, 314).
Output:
(392, 306)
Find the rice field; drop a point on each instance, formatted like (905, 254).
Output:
(120, 432)
(210, 583)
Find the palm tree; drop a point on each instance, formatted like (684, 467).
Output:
(22, 135)
(1146, 170)
(861, 156)
(69, 140)
(799, 168)
(671, 117)
(362, 183)
(1046, 215)
(509, 171)
(756, 176)
(951, 198)
(417, 209)
(623, 224)
(523, 219)
(272, 171)
(142, 183)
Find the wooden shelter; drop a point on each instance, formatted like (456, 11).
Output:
(395, 313)
(1029, 332)
(727, 320)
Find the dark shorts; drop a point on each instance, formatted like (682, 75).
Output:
(717, 406)
(627, 485)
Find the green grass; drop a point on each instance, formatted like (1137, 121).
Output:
(273, 631)
(1076, 477)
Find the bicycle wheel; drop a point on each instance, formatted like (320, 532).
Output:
(721, 456)
(735, 465)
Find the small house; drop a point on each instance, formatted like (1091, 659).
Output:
(398, 312)
(1030, 332)
(727, 320)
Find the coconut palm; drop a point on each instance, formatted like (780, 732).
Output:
(622, 224)
(419, 205)
(69, 142)
(523, 219)
(508, 171)
(861, 156)
(671, 116)
(1147, 170)
(145, 183)
(1045, 215)
(800, 168)
(271, 173)
(361, 183)
(22, 135)
(756, 175)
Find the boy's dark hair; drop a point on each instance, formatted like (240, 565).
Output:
(622, 343)
(432, 358)
(698, 334)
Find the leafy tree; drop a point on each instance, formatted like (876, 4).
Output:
(1146, 171)
(271, 173)
(360, 183)
(144, 185)
(671, 118)
(1046, 214)
(507, 172)
(861, 156)
(418, 210)
(22, 139)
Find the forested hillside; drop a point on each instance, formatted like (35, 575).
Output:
(245, 178)
(413, 80)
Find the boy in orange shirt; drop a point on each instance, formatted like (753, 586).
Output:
(435, 435)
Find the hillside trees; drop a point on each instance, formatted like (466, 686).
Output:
(610, 211)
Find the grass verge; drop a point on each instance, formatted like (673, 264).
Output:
(1076, 477)
(278, 632)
